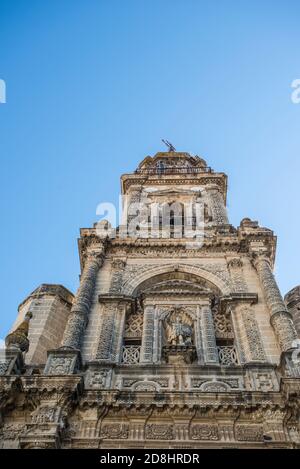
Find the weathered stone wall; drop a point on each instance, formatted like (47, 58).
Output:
(50, 306)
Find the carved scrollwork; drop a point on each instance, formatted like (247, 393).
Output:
(248, 432)
(159, 432)
(214, 386)
(60, 365)
(204, 432)
(253, 335)
(114, 431)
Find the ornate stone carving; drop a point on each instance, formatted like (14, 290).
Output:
(249, 432)
(197, 382)
(285, 329)
(159, 432)
(145, 386)
(227, 355)
(151, 384)
(74, 330)
(44, 415)
(114, 431)
(131, 354)
(214, 386)
(179, 330)
(235, 266)
(4, 365)
(253, 335)
(220, 385)
(232, 382)
(222, 324)
(97, 379)
(60, 365)
(235, 263)
(118, 266)
(134, 325)
(204, 432)
(219, 213)
(105, 347)
(263, 381)
(150, 402)
(12, 431)
(148, 336)
(208, 336)
(82, 302)
(128, 382)
(280, 318)
(162, 382)
(134, 271)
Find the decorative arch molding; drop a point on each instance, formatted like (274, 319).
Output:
(138, 277)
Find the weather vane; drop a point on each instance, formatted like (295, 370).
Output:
(169, 145)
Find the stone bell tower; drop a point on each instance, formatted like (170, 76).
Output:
(177, 337)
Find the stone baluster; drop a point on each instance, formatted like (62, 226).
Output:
(79, 313)
(281, 320)
(217, 205)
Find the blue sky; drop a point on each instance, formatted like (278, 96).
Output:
(93, 86)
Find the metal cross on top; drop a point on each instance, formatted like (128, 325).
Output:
(169, 145)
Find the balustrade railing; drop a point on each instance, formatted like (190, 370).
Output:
(173, 170)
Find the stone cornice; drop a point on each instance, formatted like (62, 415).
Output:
(48, 385)
(176, 399)
(50, 290)
(115, 298)
(200, 179)
(139, 247)
(88, 243)
(250, 298)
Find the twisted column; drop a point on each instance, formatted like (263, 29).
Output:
(281, 320)
(79, 313)
(218, 208)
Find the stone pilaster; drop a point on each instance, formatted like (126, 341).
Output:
(110, 342)
(281, 320)
(79, 313)
(118, 266)
(148, 335)
(247, 334)
(208, 336)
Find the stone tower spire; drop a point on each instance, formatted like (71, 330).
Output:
(178, 335)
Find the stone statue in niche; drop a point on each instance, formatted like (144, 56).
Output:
(179, 348)
(178, 331)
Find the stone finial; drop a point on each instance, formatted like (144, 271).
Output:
(18, 339)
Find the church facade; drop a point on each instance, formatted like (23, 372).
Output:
(178, 336)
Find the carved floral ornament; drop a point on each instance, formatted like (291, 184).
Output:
(92, 248)
(235, 263)
(118, 264)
